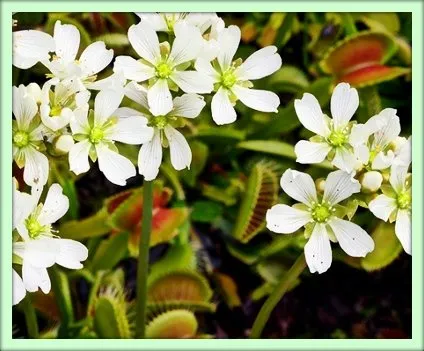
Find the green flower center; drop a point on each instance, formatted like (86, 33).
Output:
(96, 135)
(55, 111)
(228, 78)
(21, 139)
(321, 213)
(404, 200)
(159, 122)
(35, 228)
(337, 138)
(163, 70)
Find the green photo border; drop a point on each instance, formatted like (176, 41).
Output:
(9, 6)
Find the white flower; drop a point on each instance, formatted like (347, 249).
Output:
(403, 151)
(30, 47)
(150, 156)
(395, 205)
(332, 134)
(321, 215)
(165, 70)
(64, 64)
(18, 288)
(373, 141)
(56, 109)
(41, 247)
(232, 80)
(371, 181)
(27, 138)
(165, 22)
(96, 136)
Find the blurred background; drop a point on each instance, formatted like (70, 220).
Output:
(204, 217)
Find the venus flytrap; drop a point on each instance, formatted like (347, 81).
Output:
(232, 80)
(163, 66)
(96, 133)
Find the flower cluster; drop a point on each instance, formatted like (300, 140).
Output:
(167, 82)
(372, 159)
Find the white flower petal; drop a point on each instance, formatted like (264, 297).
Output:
(133, 69)
(284, 219)
(40, 253)
(344, 103)
(179, 149)
(404, 154)
(383, 161)
(55, 206)
(19, 291)
(82, 98)
(154, 19)
(78, 157)
(188, 105)
(30, 47)
(362, 154)
(398, 177)
(71, 253)
(260, 64)
(339, 185)
(79, 121)
(55, 122)
(67, 41)
(310, 114)
(259, 100)
(95, 58)
(222, 110)
(131, 130)
(210, 49)
(352, 238)
(228, 42)
(115, 81)
(311, 152)
(36, 169)
(382, 206)
(318, 250)
(159, 98)
(34, 277)
(205, 67)
(403, 230)
(126, 112)
(345, 160)
(105, 104)
(22, 207)
(389, 131)
(150, 157)
(145, 42)
(193, 82)
(24, 107)
(187, 44)
(299, 186)
(116, 168)
(137, 93)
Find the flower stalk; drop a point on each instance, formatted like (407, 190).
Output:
(143, 260)
(269, 305)
(30, 318)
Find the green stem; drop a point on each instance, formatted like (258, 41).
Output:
(30, 318)
(263, 315)
(62, 294)
(143, 260)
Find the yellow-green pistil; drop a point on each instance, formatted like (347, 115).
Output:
(404, 200)
(21, 139)
(96, 135)
(321, 212)
(337, 138)
(55, 111)
(228, 78)
(163, 70)
(35, 228)
(159, 122)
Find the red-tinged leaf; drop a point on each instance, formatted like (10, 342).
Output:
(372, 75)
(358, 51)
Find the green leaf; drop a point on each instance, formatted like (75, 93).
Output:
(93, 226)
(387, 248)
(70, 191)
(219, 135)
(110, 252)
(283, 34)
(200, 153)
(289, 79)
(114, 40)
(206, 211)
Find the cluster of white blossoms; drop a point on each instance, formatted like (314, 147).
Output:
(372, 158)
(168, 81)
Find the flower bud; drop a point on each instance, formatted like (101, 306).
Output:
(371, 181)
(320, 184)
(64, 143)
